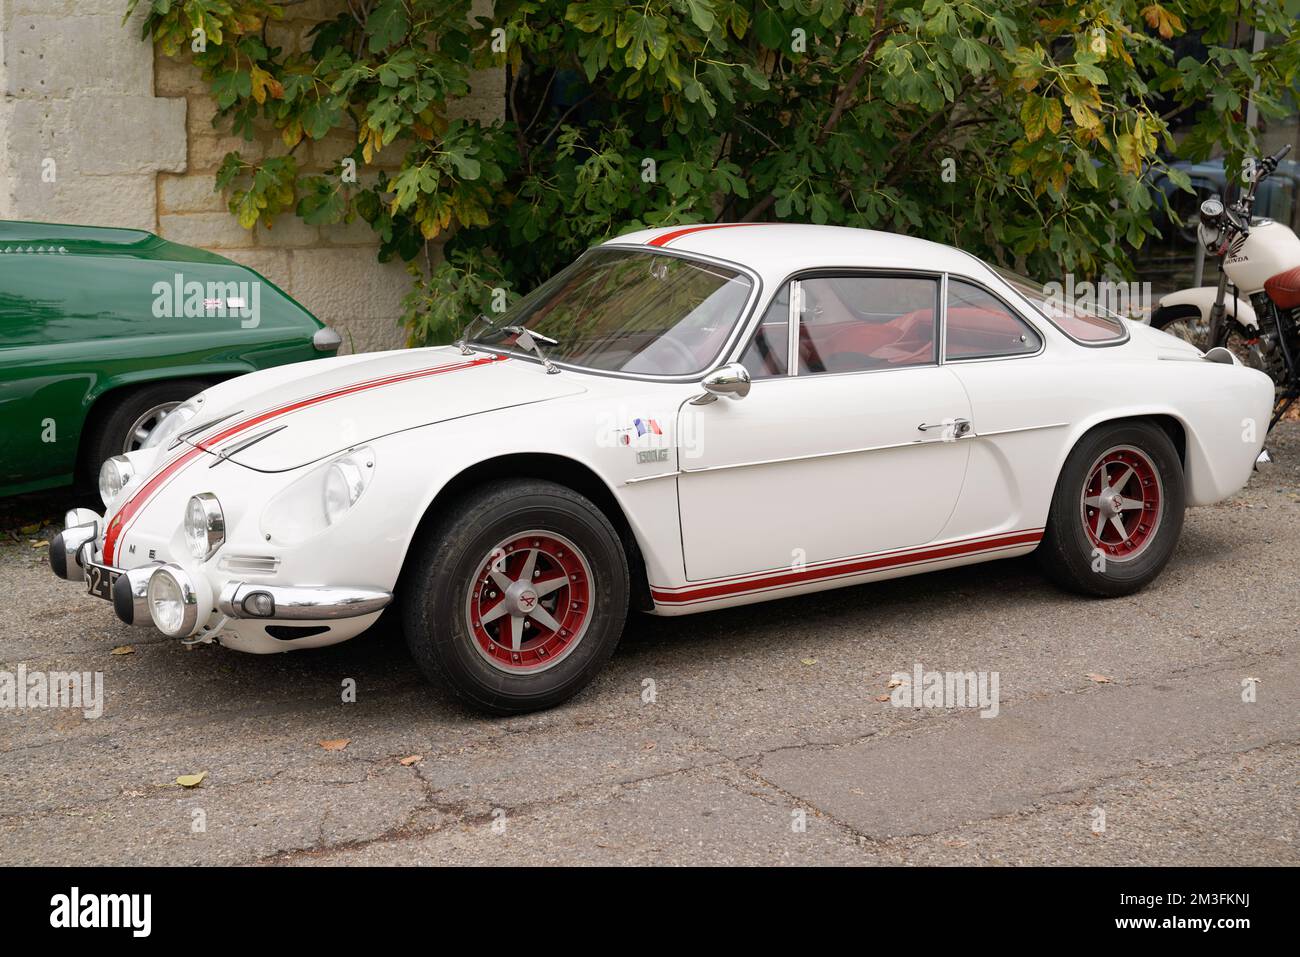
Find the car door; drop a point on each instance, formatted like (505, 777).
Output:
(852, 448)
(1019, 396)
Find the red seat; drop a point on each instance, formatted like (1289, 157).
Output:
(1284, 288)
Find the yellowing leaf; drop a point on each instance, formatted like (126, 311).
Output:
(123, 650)
(191, 780)
(809, 661)
(413, 759)
(1162, 21)
(1099, 679)
(1039, 114)
(335, 744)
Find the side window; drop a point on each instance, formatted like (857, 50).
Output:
(768, 351)
(979, 326)
(861, 323)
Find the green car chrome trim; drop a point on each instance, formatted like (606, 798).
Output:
(88, 313)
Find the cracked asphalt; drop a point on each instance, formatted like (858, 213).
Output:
(763, 719)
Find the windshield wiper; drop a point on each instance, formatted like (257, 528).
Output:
(463, 342)
(530, 341)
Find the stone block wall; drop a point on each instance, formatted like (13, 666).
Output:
(132, 142)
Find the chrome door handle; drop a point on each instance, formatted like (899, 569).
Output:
(958, 427)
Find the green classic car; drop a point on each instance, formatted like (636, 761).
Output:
(102, 331)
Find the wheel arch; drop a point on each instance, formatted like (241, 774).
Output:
(1191, 453)
(104, 396)
(561, 470)
(1170, 424)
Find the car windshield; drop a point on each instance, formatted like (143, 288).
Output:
(623, 310)
(1085, 320)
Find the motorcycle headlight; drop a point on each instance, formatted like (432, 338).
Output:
(172, 423)
(205, 525)
(113, 476)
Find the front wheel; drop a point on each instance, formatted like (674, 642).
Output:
(1117, 511)
(517, 598)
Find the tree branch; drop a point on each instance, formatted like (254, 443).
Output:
(842, 99)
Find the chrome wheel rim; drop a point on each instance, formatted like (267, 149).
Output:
(1122, 503)
(529, 603)
(143, 427)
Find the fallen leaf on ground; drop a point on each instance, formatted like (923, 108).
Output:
(191, 780)
(30, 529)
(123, 650)
(895, 682)
(413, 759)
(809, 661)
(1100, 679)
(335, 744)
(882, 697)
(40, 544)
(649, 746)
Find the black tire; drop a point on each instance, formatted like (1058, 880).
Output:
(443, 595)
(112, 422)
(1071, 554)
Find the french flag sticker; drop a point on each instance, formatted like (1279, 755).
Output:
(647, 425)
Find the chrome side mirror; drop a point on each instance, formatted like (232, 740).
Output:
(731, 380)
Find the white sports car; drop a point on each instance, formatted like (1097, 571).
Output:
(888, 406)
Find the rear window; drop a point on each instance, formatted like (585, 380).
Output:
(1091, 324)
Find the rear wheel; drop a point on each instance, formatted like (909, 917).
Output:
(518, 598)
(1117, 511)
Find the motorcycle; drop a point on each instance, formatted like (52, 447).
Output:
(1259, 264)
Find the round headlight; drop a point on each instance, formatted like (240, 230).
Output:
(113, 476)
(172, 423)
(345, 480)
(205, 525)
(173, 605)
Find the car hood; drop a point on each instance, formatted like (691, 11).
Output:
(332, 405)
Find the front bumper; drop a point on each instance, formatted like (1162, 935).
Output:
(75, 549)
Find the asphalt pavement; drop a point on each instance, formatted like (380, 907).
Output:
(1125, 731)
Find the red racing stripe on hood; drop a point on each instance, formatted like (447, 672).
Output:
(118, 526)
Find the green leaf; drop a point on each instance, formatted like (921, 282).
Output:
(701, 14)
(387, 25)
(640, 34)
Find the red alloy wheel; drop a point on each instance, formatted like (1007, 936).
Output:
(530, 602)
(1121, 503)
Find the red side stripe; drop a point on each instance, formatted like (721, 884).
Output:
(857, 566)
(118, 526)
(666, 238)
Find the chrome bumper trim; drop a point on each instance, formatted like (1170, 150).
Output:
(130, 595)
(67, 549)
(302, 603)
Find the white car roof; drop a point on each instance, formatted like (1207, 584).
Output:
(774, 250)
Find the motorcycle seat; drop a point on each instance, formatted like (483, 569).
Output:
(1284, 288)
